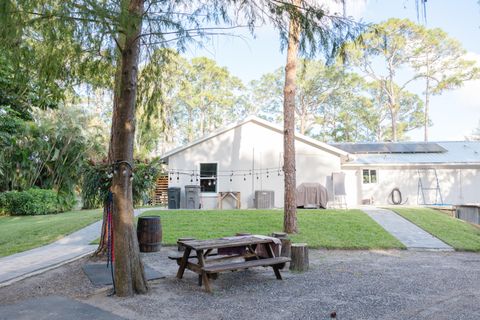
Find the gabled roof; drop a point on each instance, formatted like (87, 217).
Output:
(264, 123)
(457, 153)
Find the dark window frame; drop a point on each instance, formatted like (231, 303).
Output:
(208, 175)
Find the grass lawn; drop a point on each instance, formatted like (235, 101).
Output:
(20, 233)
(333, 229)
(457, 233)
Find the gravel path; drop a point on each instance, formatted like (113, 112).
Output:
(354, 284)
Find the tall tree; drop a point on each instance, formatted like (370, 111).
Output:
(393, 41)
(442, 63)
(290, 204)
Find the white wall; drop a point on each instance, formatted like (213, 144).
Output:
(457, 185)
(252, 144)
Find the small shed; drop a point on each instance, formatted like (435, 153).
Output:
(247, 157)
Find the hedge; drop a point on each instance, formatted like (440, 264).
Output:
(32, 202)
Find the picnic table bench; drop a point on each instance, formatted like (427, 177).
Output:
(199, 256)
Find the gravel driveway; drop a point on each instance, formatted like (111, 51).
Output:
(354, 284)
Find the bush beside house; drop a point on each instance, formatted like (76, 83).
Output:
(33, 202)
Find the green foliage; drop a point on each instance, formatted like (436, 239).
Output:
(47, 153)
(97, 180)
(180, 100)
(390, 48)
(332, 103)
(34, 202)
(144, 180)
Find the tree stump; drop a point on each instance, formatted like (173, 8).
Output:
(279, 235)
(180, 247)
(299, 255)
(286, 244)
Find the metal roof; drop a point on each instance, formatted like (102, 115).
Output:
(390, 147)
(457, 153)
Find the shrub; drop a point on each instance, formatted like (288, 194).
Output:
(31, 202)
(97, 179)
(3, 203)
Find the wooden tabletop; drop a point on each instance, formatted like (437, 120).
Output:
(223, 243)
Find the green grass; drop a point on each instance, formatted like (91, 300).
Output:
(20, 233)
(457, 233)
(332, 229)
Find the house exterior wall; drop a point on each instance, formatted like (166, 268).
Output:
(457, 185)
(251, 145)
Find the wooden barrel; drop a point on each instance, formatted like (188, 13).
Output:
(149, 233)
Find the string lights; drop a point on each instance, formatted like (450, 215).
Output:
(231, 174)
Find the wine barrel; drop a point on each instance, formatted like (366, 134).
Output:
(149, 233)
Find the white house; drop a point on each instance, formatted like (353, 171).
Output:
(425, 173)
(248, 156)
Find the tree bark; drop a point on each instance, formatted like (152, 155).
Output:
(290, 205)
(101, 251)
(427, 102)
(129, 272)
(394, 124)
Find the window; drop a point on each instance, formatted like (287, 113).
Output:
(208, 177)
(369, 176)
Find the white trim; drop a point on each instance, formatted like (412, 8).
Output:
(438, 165)
(259, 121)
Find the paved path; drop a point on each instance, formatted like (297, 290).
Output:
(76, 245)
(413, 237)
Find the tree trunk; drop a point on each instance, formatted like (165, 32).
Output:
(129, 273)
(290, 205)
(427, 102)
(303, 121)
(394, 125)
(101, 251)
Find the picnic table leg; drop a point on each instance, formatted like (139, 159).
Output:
(201, 262)
(183, 263)
(271, 254)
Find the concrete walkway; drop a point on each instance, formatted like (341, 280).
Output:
(413, 237)
(76, 245)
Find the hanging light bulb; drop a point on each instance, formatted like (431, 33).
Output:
(209, 183)
(245, 177)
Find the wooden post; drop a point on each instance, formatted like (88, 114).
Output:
(286, 244)
(299, 257)
(180, 247)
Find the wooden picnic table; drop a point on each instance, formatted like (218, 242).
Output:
(207, 264)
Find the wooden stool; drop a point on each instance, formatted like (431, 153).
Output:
(299, 257)
(286, 244)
